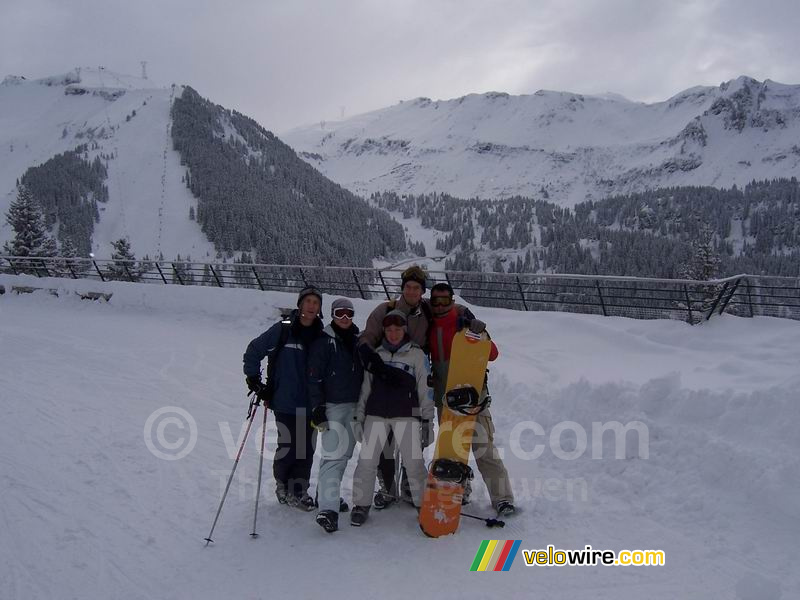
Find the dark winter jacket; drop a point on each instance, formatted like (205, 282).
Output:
(291, 389)
(409, 396)
(335, 373)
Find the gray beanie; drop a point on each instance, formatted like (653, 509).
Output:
(342, 303)
(396, 315)
(309, 290)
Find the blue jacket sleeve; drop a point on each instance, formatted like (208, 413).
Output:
(318, 359)
(259, 348)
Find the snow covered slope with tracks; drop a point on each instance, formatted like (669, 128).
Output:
(89, 511)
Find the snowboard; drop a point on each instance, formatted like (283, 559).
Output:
(449, 472)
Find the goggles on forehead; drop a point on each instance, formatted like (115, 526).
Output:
(441, 301)
(395, 320)
(343, 313)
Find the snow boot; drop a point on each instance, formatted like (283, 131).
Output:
(281, 494)
(505, 508)
(304, 502)
(328, 520)
(382, 500)
(359, 515)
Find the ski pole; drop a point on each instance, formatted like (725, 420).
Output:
(490, 522)
(251, 415)
(260, 469)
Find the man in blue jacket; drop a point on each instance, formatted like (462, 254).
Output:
(287, 395)
(335, 375)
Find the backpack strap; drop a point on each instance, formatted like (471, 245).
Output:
(286, 327)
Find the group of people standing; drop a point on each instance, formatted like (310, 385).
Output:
(369, 387)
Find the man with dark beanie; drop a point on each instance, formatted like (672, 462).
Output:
(418, 316)
(335, 375)
(288, 343)
(447, 321)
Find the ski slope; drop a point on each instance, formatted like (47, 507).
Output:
(88, 511)
(124, 117)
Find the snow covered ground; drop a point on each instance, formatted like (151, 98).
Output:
(87, 510)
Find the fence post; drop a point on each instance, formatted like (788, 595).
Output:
(69, 266)
(160, 272)
(99, 272)
(13, 266)
(177, 274)
(749, 298)
(303, 275)
(688, 303)
(385, 289)
(258, 279)
(214, 273)
(600, 295)
(127, 272)
(44, 266)
(730, 297)
(360, 291)
(716, 301)
(521, 293)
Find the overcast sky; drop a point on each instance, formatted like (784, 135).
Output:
(292, 62)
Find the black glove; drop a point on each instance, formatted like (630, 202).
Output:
(476, 326)
(426, 433)
(259, 389)
(370, 359)
(319, 419)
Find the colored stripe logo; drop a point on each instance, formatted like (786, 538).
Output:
(495, 555)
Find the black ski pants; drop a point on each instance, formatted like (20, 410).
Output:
(294, 456)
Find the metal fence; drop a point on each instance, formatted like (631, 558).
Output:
(636, 297)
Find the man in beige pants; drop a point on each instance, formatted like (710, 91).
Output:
(447, 321)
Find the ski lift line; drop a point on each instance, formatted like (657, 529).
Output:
(116, 153)
(164, 175)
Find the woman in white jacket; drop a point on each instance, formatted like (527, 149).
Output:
(395, 397)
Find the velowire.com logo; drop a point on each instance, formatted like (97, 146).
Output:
(495, 555)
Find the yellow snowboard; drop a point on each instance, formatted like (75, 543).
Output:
(441, 503)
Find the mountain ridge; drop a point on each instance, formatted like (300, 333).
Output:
(560, 145)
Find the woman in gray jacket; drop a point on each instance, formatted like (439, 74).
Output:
(397, 399)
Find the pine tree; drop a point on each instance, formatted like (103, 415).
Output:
(703, 262)
(123, 268)
(25, 218)
(68, 249)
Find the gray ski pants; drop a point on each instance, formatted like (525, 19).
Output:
(407, 437)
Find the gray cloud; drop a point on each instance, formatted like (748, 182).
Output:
(291, 62)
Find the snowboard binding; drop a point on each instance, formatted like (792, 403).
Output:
(452, 471)
(466, 400)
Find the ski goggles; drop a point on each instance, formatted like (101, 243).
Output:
(395, 320)
(344, 313)
(441, 301)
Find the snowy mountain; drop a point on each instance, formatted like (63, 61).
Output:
(568, 147)
(126, 121)
(93, 506)
(109, 156)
